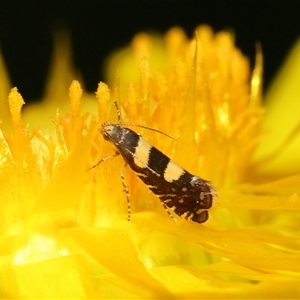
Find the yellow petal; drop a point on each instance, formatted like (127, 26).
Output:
(59, 278)
(249, 247)
(5, 88)
(280, 146)
(114, 245)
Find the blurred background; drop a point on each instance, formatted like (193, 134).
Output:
(99, 27)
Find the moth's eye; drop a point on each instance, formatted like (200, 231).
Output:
(106, 136)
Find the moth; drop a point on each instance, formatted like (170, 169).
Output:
(187, 195)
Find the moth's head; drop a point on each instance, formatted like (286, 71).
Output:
(111, 132)
(106, 129)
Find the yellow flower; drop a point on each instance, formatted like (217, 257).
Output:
(64, 229)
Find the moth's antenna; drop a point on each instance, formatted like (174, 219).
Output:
(145, 127)
(118, 111)
(137, 125)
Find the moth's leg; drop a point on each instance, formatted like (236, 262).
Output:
(126, 190)
(104, 159)
(168, 211)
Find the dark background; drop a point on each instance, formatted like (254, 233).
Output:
(98, 27)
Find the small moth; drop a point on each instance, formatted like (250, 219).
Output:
(186, 194)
